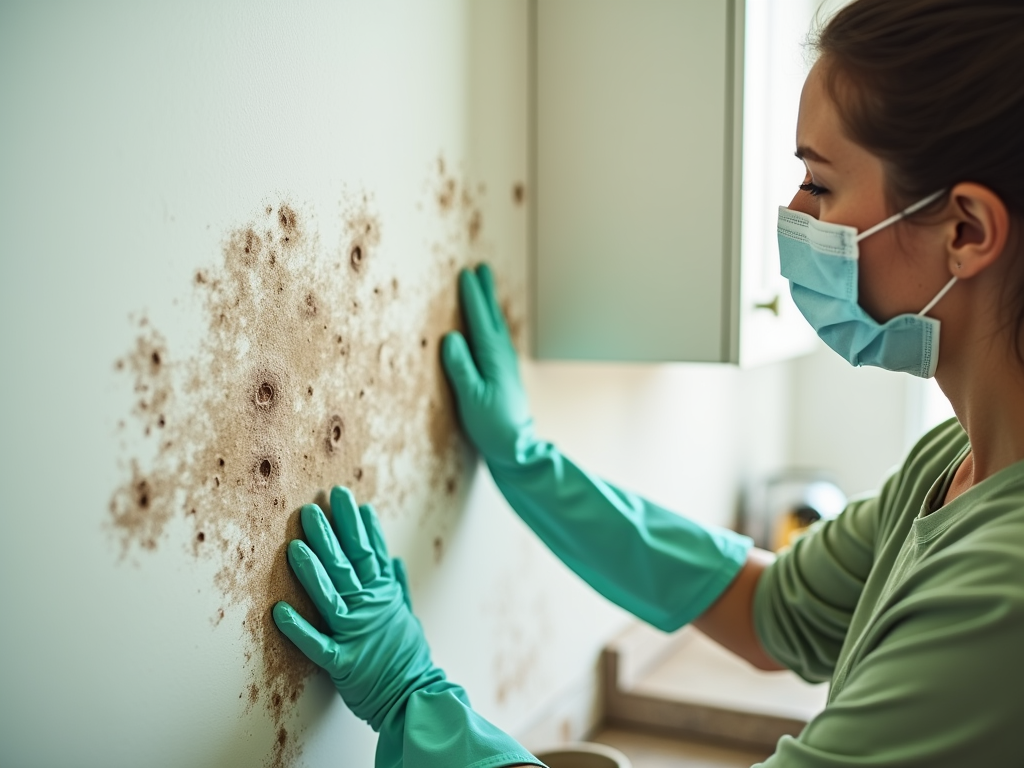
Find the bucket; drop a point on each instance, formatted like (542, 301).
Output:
(584, 754)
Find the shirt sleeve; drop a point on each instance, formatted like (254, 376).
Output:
(805, 600)
(938, 682)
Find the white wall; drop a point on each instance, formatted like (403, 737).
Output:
(137, 139)
(856, 423)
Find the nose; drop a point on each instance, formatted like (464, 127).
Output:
(805, 202)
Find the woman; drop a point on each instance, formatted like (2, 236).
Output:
(908, 222)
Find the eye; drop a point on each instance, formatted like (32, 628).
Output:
(812, 188)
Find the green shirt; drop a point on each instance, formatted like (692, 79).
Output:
(915, 612)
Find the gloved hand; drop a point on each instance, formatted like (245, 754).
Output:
(375, 651)
(491, 398)
(660, 566)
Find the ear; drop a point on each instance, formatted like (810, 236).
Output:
(978, 231)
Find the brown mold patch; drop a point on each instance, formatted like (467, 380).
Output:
(285, 751)
(151, 380)
(519, 193)
(140, 509)
(473, 225)
(304, 378)
(288, 222)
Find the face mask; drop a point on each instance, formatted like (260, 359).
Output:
(820, 261)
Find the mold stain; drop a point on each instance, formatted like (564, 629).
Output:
(518, 651)
(519, 193)
(304, 378)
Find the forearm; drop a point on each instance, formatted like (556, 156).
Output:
(730, 619)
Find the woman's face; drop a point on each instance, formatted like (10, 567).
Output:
(903, 266)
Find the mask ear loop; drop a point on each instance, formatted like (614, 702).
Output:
(933, 302)
(897, 216)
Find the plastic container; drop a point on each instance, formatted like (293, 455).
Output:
(584, 754)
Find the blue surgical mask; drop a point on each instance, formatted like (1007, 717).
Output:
(820, 261)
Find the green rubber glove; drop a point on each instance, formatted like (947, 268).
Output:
(375, 651)
(660, 566)
(491, 398)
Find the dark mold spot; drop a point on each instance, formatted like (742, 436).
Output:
(252, 245)
(335, 433)
(309, 304)
(265, 470)
(200, 537)
(355, 257)
(155, 357)
(288, 222)
(143, 494)
(266, 390)
(451, 486)
(474, 225)
(519, 193)
(438, 549)
(265, 394)
(446, 195)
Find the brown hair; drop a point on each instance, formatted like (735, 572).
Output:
(935, 88)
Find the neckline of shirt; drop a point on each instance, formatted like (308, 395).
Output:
(932, 520)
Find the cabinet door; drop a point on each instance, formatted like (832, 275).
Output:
(634, 145)
(639, 182)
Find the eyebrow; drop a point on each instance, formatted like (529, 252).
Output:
(806, 153)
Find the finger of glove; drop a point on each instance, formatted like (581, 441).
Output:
(316, 647)
(488, 336)
(486, 277)
(460, 368)
(352, 535)
(376, 536)
(479, 319)
(317, 583)
(325, 546)
(398, 566)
